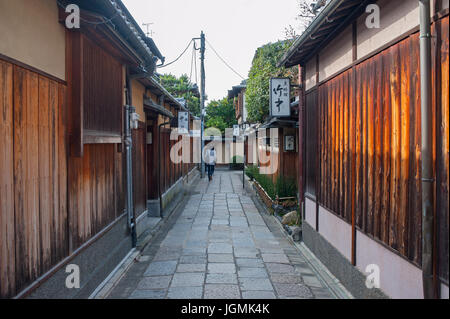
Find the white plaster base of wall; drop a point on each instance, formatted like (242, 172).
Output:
(336, 231)
(399, 278)
(444, 292)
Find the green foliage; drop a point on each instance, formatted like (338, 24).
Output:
(266, 182)
(286, 187)
(220, 114)
(263, 68)
(252, 171)
(182, 87)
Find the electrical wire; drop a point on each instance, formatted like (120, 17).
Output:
(163, 66)
(218, 55)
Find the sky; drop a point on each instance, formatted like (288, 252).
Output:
(235, 28)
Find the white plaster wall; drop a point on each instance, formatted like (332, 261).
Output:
(445, 5)
(310, 212)
(396, 18)
(310, 74)
(444, 292)
(398, 277)
(337, 55)
(138, 91)
(30, 33)
(336, 231)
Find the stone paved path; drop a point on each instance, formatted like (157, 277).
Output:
(220, 247)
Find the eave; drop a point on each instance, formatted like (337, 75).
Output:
(336, 15)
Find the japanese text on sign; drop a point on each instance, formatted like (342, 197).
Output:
(280, 97)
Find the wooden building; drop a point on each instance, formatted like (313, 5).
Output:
(62, 142)
(237, 94)
(279, 154)
(361, 153)
(157, 176)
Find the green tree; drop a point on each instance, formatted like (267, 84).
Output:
(220, 114)
(264, 67)
(182, 87)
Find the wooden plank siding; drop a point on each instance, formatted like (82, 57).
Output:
(442, 146)
(51, 203)
(7, 238)
(139, 169)
(370, 145)
(102, 90)
(95, 182)
(33, 179)
(152, 161)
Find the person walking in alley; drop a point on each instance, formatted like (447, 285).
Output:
(210, 162)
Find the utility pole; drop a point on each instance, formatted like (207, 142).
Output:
(202, 99)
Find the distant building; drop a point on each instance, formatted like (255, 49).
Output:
(237, 94)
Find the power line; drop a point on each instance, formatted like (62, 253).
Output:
(218, 55)
(189, 44)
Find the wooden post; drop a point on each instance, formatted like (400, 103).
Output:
(75, 91)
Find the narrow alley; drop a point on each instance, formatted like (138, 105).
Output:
(324, 125)
(219, 246)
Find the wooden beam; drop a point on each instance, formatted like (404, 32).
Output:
(75, 89)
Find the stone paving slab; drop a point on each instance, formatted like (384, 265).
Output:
(160, 268)
(221, 279)
(159, 282)
(191, 267)
(219, 247)
(148, 294)
(252, 272)
(220, 258)
(188, 280)
(221, 268)
(258, 295)
(185, 293)
(255, 284)
(275, 258)
(219, 291)
(293, 290)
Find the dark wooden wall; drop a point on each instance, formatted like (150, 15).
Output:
(288, 159)
(370, 145)
(170, 171)
(140, 169)
(33, 176)
(52, 203)
(442, 153)
(287, 162)
(152, 157)
(96, 187)
(102, 90)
